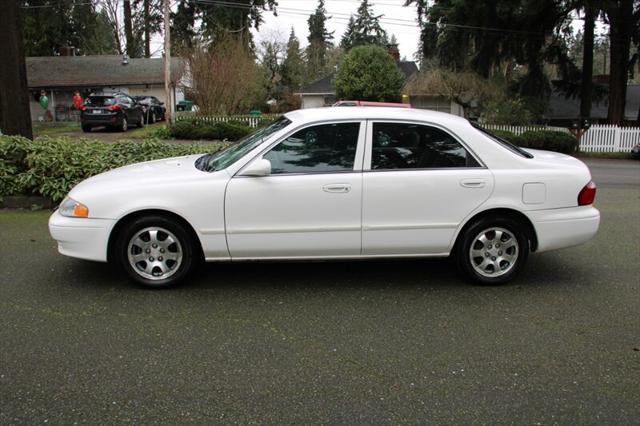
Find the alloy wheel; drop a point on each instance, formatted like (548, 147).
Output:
(494, 252)
(154, 253)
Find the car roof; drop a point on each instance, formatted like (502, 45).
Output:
(374, 113)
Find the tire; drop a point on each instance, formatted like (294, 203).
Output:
(152, 119)
(86, 128)
(141, 121)
(172, 252)
(485, 260)
(124, 126)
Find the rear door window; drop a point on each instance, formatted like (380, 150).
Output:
(413, 146)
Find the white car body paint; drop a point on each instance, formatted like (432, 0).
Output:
(360, 214)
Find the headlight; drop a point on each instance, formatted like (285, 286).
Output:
(72, 208)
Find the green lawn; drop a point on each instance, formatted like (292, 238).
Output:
(55, 129)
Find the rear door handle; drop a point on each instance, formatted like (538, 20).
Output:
(337, 188)
(473, 183)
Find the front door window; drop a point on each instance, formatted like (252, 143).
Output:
(326, 148)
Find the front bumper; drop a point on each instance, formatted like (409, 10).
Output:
(561, 228)
(80, 237)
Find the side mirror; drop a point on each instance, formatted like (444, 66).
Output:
(260, 167)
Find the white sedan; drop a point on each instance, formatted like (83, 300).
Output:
(335, 183)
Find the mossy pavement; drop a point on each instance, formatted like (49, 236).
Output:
(333, 342)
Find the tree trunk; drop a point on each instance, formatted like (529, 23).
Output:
(15, 116)
(587, 62)
(128, 28)
(620, 27)
(147, 30)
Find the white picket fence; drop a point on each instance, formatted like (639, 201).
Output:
(599, 137)
(518, 130)
(250, 120)
(608, 138)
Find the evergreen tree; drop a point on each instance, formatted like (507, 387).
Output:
(293, 65)
(347, 40)
(217, 21)
(369, 73)
(365, 29)
(48, 25)
(319, 41)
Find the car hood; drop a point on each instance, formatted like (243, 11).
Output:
(147, 174)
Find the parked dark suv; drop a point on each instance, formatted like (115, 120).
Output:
(152, 108)
(117, 111)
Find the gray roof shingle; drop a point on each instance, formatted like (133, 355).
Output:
(563, 108)
(98, 71)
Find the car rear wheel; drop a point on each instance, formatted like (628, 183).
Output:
(492, 251)
(141, 121)
(86, 128)
(152, 119)
(124, 126)
(156, 252)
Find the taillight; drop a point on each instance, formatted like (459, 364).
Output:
(587, 194)
(115, 108)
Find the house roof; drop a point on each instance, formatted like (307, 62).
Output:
(563, 108)
(325, 86)
(98, 71)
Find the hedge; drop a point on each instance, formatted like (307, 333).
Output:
(52, 166)
(542, 139)
(200, 130)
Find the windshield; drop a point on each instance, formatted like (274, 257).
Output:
(223, 159)
(505, 143)
(100, 101)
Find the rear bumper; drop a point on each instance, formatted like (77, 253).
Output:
(100, 120)
(81, 238)
(560, 228)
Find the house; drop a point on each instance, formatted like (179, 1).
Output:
(61, 76)
(323, 93)
(565, 111)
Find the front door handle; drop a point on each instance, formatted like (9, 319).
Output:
(473, 183)
(337, 188)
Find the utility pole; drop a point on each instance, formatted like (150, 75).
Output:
(147, 30)
(15, 117)
(167, 63)
(587, 62)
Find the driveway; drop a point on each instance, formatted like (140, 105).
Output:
(331, 342)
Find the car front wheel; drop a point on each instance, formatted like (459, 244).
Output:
(141, 121)
(156, 252)
(492, 251)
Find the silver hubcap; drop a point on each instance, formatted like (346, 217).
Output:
(154, 253)
(494, 252)
(124, 124)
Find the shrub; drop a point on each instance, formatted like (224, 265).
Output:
(195, 129)
(162, 133)
(52, 166)
(549, 140)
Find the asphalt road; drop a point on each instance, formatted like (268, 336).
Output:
(337, 342)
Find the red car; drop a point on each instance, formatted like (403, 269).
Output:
(369, 103)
